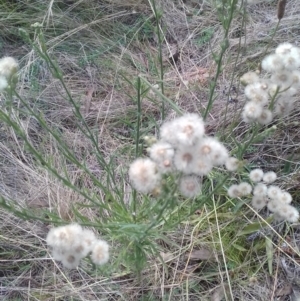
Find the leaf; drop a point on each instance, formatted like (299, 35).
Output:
(255, 226)
(269, 251)
(238, 247)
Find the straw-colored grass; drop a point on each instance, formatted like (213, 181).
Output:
(98, 45)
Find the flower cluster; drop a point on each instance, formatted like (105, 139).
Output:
(184, 148)
(273, 96)
(8, 68)
(71, 243)
(276, 200)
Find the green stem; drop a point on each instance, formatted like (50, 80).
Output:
(218, 59)
(160, 41)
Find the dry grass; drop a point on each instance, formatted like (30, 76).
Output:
(88, 40)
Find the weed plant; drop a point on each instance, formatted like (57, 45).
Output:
(157, 188)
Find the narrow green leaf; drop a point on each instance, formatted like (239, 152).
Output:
(269, 251)
(255, 226)
(238, 247)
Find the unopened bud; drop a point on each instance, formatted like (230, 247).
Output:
(281, 8)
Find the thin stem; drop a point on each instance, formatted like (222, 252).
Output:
(160, 41)
(224, 47)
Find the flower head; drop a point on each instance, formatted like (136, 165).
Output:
(274, 192)
(234, 191)
(3, 83)
(269, 177)
(283, 79)
(70, 243)
(162, 153)
(258, 202)
(8, 67)
(251, 111)
(201, 167)
(144, 175)
(249, 78)
(288, 213)
(265, 117)
(100, 252)
(64, 237)
(296, 79)
(257, 93)
(190, 128)
(168, 132)
(284, 48)
(260, 189)
(212, 150)
(232, 164)
(285, 197)
(289, 54)
(184, 159)
(274, 206)
(272, 63)
(70, 260)
(244, 188)
(183, 131)
(189, 186)
(256, 175)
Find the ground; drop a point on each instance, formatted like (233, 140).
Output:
(67, 144)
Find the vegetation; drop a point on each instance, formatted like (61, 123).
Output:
(96, 85)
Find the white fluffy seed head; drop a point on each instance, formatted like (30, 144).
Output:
(183, 131)
(3, 83)
(143, 175)
(283, 79)
(234, 191)
(70, 260)
(189, 186)
(290, 55)
(274, 206)
(257, 93)
(210, 149)
(260, 190)
(190, 129)
(288, 213)
(258, 202)
(284, 48)
(269, 177)
(296, 79)
(84, 247)
(292, 214)
(8, 67)
(251, 111)
(285, 197)
(232, 164)
(100, 252)
(272, 63)
(249, 78)
(201, 167)
(64, 237)
(256, 175)
(274, 192)
(184, 159)
(168, 132)
(245, 188)
(265, 117)
(162, 153)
